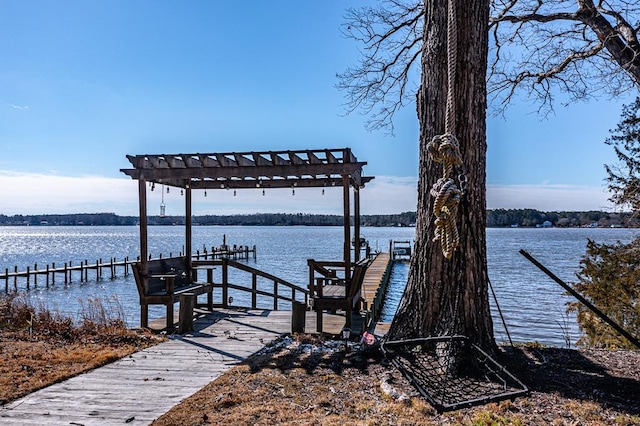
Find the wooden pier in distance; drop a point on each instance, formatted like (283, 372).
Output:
(85, 271)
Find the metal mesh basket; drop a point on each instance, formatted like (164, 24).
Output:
(451, 372)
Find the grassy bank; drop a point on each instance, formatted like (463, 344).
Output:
(39, 347)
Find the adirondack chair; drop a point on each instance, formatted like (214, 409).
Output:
(330, 293)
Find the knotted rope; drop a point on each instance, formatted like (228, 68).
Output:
(445, 149)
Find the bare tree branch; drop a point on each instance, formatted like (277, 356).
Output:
(540, 49)
(572, 46)
(391, 39)
(534, 17)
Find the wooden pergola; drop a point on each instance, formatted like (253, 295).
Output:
(238, 170)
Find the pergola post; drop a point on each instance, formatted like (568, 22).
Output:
(188, 222)
(144, 248)
(356, 223)
(347, 230)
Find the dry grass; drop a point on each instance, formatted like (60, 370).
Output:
(39, 347)
(311, 382)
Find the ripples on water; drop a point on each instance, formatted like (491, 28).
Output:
(533, 305)
(397, 283)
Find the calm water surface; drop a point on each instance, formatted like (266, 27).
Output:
(532, 304)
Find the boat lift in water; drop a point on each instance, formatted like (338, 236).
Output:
(400, 250)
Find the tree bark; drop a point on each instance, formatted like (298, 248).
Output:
(446, 297)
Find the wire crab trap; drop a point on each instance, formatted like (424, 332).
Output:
(451, 372)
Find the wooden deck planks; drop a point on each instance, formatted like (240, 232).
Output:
(373, 277)
(381, 329)
(141, 387)
(375, 287)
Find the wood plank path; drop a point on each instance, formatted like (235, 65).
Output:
(374, 276)
(139, 388)
(374, 286)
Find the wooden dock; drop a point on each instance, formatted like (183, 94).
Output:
(380, 329)
(85, 271)
(374, 287)
(141, 387)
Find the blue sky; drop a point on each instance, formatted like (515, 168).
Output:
(84, 83)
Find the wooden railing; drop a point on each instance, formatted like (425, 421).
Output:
(281, 290)
(70, 271)
(378, 300)
(322, 270)
(328, 270)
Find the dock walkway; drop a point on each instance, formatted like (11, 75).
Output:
(143, 386)
(374, 286)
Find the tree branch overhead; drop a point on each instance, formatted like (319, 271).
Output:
(539, 48)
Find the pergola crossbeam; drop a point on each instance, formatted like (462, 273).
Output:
(244, 161)
(260, 160)
(309, 168)
(330, 157)
(313, 158)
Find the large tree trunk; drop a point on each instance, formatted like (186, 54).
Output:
(450, 296)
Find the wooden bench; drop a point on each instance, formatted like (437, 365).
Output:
(329, 293)
(163, 284)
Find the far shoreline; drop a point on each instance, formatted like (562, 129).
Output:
(497, 218)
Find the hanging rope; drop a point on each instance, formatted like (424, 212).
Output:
(452, 60)
(446, 150)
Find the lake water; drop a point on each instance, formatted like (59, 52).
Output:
(533, 305)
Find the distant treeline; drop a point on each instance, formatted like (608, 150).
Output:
(495, 218)
(259, 219)
(68, 219)
(535, 218)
